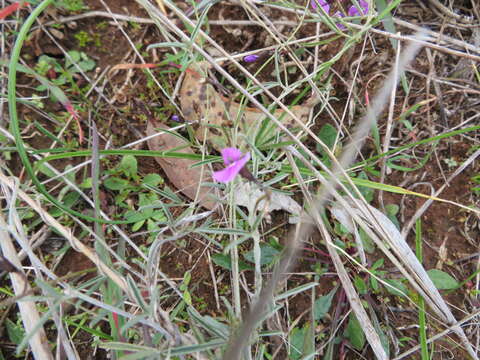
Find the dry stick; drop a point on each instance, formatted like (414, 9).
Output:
(388, 130)
(439, 37)
(28, 311)
(449, 13)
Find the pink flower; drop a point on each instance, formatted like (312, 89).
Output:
(314, 4)
(340, 25)
(234, 161)
(354, 11)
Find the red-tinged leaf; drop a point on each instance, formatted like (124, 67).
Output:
(51, 73)
(69, 107)
(115, 320)
(174, 65)
(187, 70)
(11, 8)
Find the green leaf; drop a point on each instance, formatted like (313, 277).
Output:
(392, 211)
(187, 277)
(368, 243)
(45, 170)
(187, 297)
(158, 215)
(87, 183)
(74, 55)
(136, 226)
(367, 192)
(328, 134)
(377, 264)
(225, 262)
(129, 166)
(115, 183)
(442, 280)
(152, 180)
(397, 287)
(68, 200)
(360, 285)
(297, 340)
(268, 254)
(15, 332)
(134, 216)
(354, 333)
(321, 306)
(71, 198)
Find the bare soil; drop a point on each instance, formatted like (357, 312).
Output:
(446, 228)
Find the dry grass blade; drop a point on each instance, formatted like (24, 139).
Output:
(352, 296)
(75, 243)
(390, 234)
(28, 310)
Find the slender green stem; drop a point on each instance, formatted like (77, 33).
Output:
(422, 322)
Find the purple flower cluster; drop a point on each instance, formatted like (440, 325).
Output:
(352, 10)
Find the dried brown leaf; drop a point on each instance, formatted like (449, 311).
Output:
(180, 172)
(200, 102)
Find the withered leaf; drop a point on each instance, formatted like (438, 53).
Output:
(180, 172)
(200, 102)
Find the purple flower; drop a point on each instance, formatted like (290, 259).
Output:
(234, 161)
(325, 6)
(354, 11)
(250, 58)
(340, 25)
(175, 118)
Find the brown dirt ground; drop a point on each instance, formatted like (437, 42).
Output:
(442, 223)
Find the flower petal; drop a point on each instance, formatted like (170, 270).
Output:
(354, 11)
(340, 25)
(230, 155)
(226, 175)
(250, 58)
(229, 173)
(323, 4)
